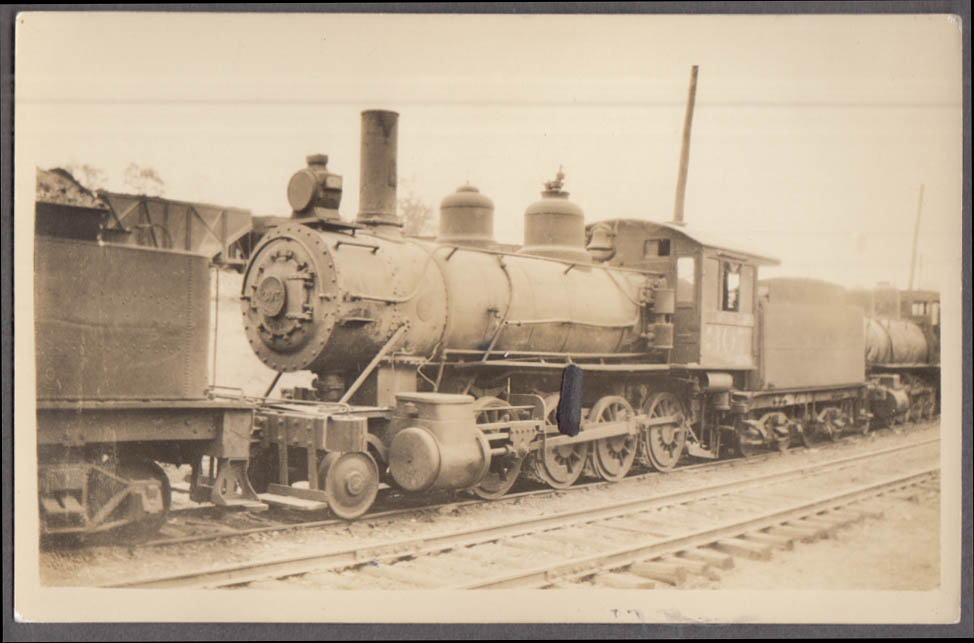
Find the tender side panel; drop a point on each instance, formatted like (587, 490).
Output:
(803, 345)
(119, 322)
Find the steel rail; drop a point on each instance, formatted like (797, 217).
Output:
(257, 570)
(586, 565)
(507, 498)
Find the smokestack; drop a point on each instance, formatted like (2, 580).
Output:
(378, 178)
(681, 182)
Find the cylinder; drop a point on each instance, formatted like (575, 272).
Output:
(378, 173)
(467, 218)
(436, 444)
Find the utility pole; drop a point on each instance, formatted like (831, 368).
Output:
(681, 181)
(916, 234)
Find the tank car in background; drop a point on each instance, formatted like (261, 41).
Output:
(902, 351)
(121, 348)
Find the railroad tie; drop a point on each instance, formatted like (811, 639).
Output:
(622, 580)
(907, 495)
(869, 509)
(665, 572)
(454, 565)
(825, 530)
(751, 502)
(330, 579)
(484, 558)
(698, 567)
(830, 526)
(806, 533)
(657, 526)
(745, 548)
(641, 527)
(564, 585)
(829, 517)
(600, 532)
(617, 527)
(557, 538)
(710, 556)
(406, 576)
(530, 543)
(778, 542)
(844, 514)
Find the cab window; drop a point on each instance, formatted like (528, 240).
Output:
(656, 248)
(730, 291)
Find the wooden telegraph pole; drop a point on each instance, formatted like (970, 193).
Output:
(681, 182)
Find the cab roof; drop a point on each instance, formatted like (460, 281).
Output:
(700, 237)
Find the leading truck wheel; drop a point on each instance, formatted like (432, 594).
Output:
(662, 444)
(351, 482)
(612, 457)
(504, 471)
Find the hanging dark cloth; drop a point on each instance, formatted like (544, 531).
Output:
(570, 404)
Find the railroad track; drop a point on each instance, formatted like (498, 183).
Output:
(634, 543)
(216, 530)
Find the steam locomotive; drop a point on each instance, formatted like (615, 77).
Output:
(439, 363)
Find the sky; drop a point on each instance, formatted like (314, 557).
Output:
(811, 138)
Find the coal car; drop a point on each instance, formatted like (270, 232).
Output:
(121, 347)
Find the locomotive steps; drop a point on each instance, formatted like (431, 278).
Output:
(640, 537)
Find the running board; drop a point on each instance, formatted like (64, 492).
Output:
(295, 498)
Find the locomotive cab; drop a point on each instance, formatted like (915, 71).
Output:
(715, 288)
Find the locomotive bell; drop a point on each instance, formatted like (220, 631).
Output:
(554, 226)
(602, 244)
(314, 191)
(467, 218)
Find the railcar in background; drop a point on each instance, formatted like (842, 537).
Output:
(121, 350)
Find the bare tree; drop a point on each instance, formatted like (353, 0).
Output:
(144, 180)
(90, 177)
(417, 215)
